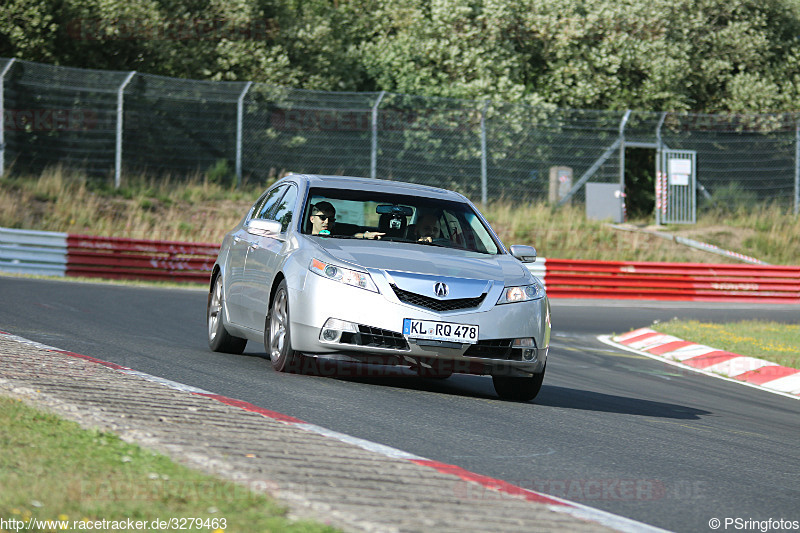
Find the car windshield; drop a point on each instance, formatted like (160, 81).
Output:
(345, 214)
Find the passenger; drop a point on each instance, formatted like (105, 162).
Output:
(427, 227)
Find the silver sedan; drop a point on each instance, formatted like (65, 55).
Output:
(379, 272)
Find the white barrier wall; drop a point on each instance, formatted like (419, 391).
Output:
(41, 253)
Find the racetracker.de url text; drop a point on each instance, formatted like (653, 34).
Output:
(216, 525)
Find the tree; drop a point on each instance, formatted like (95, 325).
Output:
(451, 48)
(671, 55)
(690, 55)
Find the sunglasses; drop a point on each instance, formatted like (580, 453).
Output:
(325, 217)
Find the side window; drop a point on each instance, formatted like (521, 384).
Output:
(283, 211)
(452, 228)
(263, 209)
(256, 206)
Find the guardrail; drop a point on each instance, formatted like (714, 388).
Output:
(62, 254)
(118, 258)
(33, 252)
(671, 281)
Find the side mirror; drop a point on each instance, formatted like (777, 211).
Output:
(265, 228)
(526, 254)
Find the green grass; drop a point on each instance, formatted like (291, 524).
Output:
(51, 469)
(779, 343)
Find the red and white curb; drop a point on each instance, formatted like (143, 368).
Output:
(553, 503)
(749, 370)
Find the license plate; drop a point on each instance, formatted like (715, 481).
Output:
(440, 331)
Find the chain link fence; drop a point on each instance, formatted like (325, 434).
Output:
(109, 124)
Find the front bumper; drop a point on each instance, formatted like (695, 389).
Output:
(380, 316)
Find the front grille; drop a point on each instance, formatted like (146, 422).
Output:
(491, 349)
(434, 304)
(375, 338)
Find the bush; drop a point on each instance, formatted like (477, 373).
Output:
(220, 173)
(730, 198)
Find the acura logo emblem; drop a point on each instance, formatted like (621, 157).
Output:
(441, 289)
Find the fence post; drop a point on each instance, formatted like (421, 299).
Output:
(659, 170)
(797, 168)
(3, 115)
(373, 158)
(484, 181)
(622, 125)
(239, 120)
(118, 159)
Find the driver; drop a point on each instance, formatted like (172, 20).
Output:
(323, 217)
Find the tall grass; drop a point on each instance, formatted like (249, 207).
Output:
(203, 210)
(165, 209)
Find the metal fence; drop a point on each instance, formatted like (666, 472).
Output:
(109, 123)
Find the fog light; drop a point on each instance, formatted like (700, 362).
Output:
(330, 335)
(333, 328)
(527, 347)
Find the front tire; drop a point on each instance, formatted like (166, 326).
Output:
(219, 340)
(518, 389)
(277, 333)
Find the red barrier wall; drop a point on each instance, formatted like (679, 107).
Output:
(118, 258)
(672, 281)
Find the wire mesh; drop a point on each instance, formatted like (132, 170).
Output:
(295, 130)
(746, 158)
(526, 142)
(60, 116)
(179, 127)
(67, 116)
(431, 141)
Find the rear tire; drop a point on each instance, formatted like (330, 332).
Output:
(277, 333)
(518, 389)
(219, 340)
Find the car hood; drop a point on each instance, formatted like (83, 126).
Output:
(396, 257)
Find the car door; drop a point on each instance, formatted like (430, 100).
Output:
(263, 257)
(237, 253)
(241, 242)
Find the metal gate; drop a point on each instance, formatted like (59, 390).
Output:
(676, 178)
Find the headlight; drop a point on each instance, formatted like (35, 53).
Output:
(524, 293)
(344, 275)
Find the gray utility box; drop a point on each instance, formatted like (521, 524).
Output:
(560, 183)
(605, 201)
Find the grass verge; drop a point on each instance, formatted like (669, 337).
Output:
(772, 341)
(200, 209)
(188, 285)
(52, 469)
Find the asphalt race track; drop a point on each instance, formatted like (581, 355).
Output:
(610, 429)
